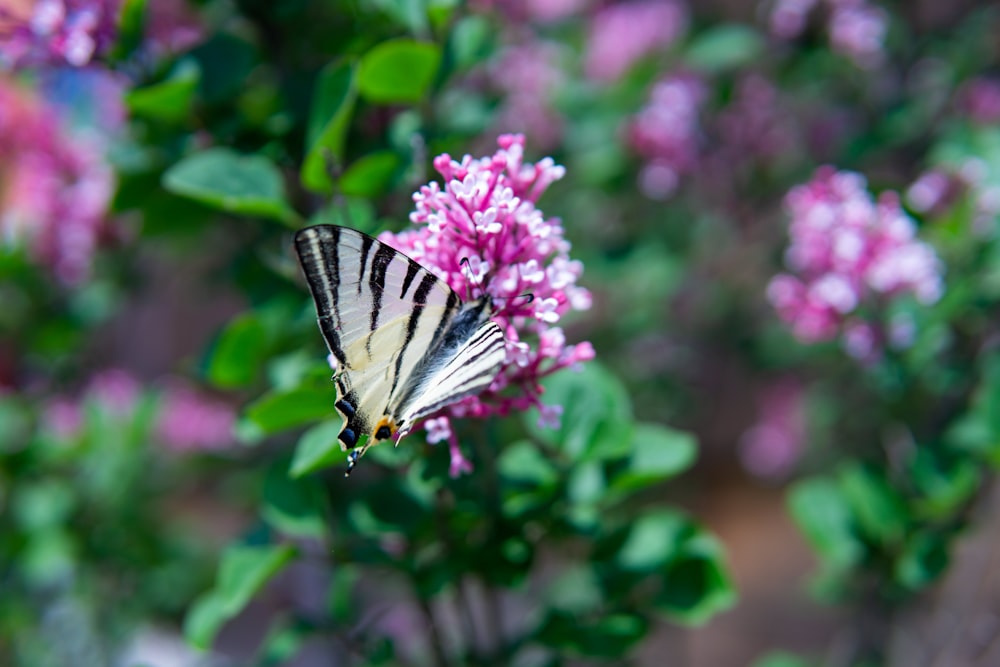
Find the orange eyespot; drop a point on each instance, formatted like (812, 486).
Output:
(385, 428)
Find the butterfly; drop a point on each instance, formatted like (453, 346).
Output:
(406, 344)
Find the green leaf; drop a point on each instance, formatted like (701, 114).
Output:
(224, 179)
(470, 40)
(280, 410)
(609, 636)
(823, 515)
(243, 572)
(318, 448)
(596, 422)
(877, 508)
(294, 507)
(576, 590)
(724, 47)
(398, 71)
(131, 29)
(238, 353)
(169, 100)
(652, 541)
(369, 175)
(523, 462)
(329, 118)
(658, 453)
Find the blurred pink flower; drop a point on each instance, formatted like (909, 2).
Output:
(62, 418)
(624, 33)
(771, 447)
(528, 75)
(55, 186)
(856, 28)
(938, 190)
(485, 213)
(980, 99)
(538, 11)
(756, 123)
(858, 31)
(189, 420)
(69, 32)
(666, 133)
(847, 249)
(115, 390)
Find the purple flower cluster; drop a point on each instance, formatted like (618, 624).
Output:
(481, 233)
(622, 34)
(666, 133)
(71, 32)
(856, 28)
(847, 251)
(55, 186)
(937, 190)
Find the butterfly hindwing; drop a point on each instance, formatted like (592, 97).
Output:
(404, 343)
(467, 371)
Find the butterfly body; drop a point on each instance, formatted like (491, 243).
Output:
(405, 344)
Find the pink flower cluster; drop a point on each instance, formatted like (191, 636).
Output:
(848, 250)
(57, 32)
(482, 233)
(937, 190)
(55, 186)
(666, 133)
(856, 28)
(187, 420)
(624, 33)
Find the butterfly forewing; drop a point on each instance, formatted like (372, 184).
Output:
(382, 315)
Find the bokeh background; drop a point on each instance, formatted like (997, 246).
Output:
(782, 220)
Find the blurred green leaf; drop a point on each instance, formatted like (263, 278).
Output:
(575, 591)
(295, 507)
(876, 506)
(398, 71)
(370, 175)
(131, 28)
(226, 62)
(280, 410)
(239, 352)
(658, 453)
(244, 570)
(44, 504)
(724, 47)
(696, 584)
(610, 636)
(652, 540)
(318, 448)
(523, 462)
(823, 514)
(329, 119)
(411, 14)
(224, 179)
(923, 559)
(169, 100)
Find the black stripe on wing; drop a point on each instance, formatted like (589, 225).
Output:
(318, 250)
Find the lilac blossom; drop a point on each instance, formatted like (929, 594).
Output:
(622, 34)
(937, 190)
(856, 28)
(481, 233)
(54, 32)
(848, 251)
(666, 133)
(191, 421)
(56, 186)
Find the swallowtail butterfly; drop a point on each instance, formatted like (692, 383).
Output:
(405, 343)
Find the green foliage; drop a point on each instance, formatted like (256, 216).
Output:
(399, 71)
(223, 179)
